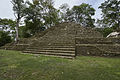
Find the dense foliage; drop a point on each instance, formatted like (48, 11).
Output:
(81, 14)
(39, 15)
(4, 38)
(7, 24)
(110, 14)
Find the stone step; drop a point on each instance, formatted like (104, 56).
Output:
(67, 42)
(57, 51)
(50, 53)
(55, 48)
(60, 46)
(47, 46)
(54, 53)
(30, 49)
(22, 44)
(70, 44)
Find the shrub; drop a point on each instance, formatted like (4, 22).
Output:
(4, 38)
(105, 31)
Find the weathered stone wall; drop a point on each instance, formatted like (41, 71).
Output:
(85, 32)
(98, 46)
(80, 40)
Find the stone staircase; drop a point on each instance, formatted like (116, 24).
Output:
(65, 51)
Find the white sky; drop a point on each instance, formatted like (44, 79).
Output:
(6, 6)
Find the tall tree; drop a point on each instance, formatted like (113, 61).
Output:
(111, 13)
(64, 9)
(39, 15)
(18, 6)
(83, 15)
(51, 14)
(33, 16)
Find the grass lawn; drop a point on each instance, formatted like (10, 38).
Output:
(17, 66)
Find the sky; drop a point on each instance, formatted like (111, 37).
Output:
(6, 6)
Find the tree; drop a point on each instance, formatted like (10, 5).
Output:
(34, 17)
(18, 7)
(64, 9)
(7, 24)
(83, 15)
(40, 14)
(69, 16)
(51, 16)
(111, 13)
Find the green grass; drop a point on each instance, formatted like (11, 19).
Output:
(17, 66)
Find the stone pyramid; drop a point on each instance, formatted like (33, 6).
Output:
(58, 40)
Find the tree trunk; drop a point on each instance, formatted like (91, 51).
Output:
(119, 24)
(17, 33)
